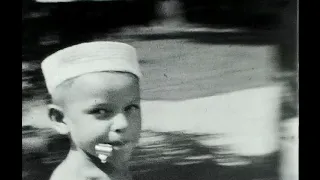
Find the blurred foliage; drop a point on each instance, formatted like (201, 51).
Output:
(252, 13)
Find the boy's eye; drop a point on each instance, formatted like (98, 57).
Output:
(100, 113)
(132, 107)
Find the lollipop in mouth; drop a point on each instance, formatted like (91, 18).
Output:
(103, 151)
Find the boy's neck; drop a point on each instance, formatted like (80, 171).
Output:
(83, 159)
(87, 163)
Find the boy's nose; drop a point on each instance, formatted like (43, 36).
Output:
(120, 123)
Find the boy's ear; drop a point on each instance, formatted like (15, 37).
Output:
(56, 115)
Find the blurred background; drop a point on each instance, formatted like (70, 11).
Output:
(220, 87)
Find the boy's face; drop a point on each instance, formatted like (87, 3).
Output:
(104, 108)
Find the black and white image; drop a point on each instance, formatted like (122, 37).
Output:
(160, 90)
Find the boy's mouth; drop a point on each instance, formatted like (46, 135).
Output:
(118, 143)
(103, 151)
(106, 149)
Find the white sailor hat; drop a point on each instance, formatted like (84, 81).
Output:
(87, 58)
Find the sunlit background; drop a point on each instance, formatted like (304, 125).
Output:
(219, 89)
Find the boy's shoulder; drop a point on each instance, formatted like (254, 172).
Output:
(67, 171)
(63, 172)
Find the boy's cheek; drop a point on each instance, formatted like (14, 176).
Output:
(87, 133)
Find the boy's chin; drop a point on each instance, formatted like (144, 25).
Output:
(119, 161)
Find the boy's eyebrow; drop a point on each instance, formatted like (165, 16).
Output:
(97, 102)
(92, 106)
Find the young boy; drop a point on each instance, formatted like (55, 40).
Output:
(96, 102)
